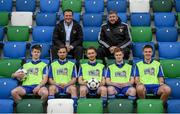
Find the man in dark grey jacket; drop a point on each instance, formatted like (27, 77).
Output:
(68, 33)
(114, 34)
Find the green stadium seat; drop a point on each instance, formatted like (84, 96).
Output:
(171, 68)
(18, 33)
(9, 66)
(30, 106)
(162, 5)
(86, 60)
(120, 106)
(141, 34)
(149, 106)
(87, 44)
(178, 19)
(90, 106)
(74, 5)
(4, 18)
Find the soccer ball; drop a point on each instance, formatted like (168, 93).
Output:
(21, 71)
(93, 84)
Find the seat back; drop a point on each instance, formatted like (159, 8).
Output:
(26, 5)
(74, 5)
(49, 6)
(117, 5)
(137, 6)
(92, 19)
(140, 19)
(6, 5)
(94, 6)
(6, 106)
(162, 5)
(164, 19)
(46, 19)
(4, 18)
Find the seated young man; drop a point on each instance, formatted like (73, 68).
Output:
(35, 79)
(149, 76)
(90, 70)
(120, 77)
(62, 76)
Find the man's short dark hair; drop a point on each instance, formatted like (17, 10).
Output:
(36, 46)
(118, 50)
(112, 12)
(91, 48)
(147, 46)
(67, 10)
(61, 47)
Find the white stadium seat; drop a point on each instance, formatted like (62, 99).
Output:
(139, 6)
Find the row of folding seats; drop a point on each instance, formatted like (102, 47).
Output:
(91, 6)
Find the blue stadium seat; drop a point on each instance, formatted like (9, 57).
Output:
(117, 5)
(123, 17)
(164, 19)
(94, 6)
(91, 33)
(92, 19)
(6, 85)
(6, 5)
(166, 34)
(26, 5)
(169, 50)
(76, 16)
(14, 49)
(46, 19)
(138, 49)
(1, 33)
(177, 5)
(173, 106)
(174, 84)
(140, 19)
(42, 34)
(49, 6)
(45, 53)
(6, 106)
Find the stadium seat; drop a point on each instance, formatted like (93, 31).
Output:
(45, 19)
(14, 49)
(6, 5)
(9, 66)
(74, 5)
(60, 106)
(169, 50)
(6, 106)
(162, 5)
(45, 52)
(6, 85)
(166, 34)
(92, 19)
(82, 61)
(26, 5)
(149, 106)
(30, 106)
(171, 68)
(49, 6)
(120, 106)
(117, 5)
(139, 6)
(21, 18)
(173, 106)
(4, 18)
(164, 19)
(141, 34)
(178, 19)
(174, 84)
(18, 33)
(76, 16)
(138, 49)
(90, 106)
(1, 33)
(94, 6)
(42, 34)
(177, 5)
(87, 44)
(123, 17)
(140, 19)
(91, 33)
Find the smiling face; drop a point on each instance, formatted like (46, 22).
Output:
(91, 54)
(68, 17)
(113, 18)
(62, 53)
(147, 52)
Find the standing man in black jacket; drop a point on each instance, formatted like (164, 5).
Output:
(114, 34)
(68, 33)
